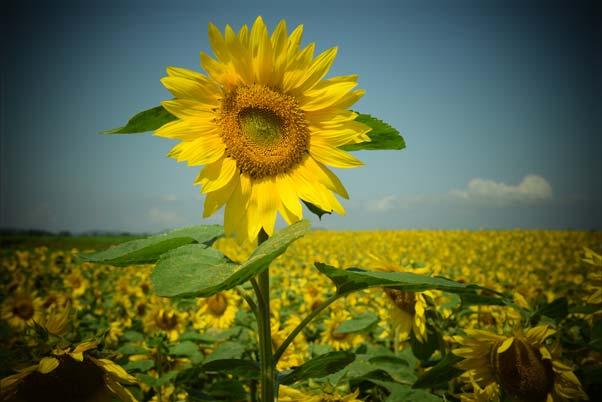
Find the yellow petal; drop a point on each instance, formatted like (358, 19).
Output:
(505, 345)
(47, 364)
(183, 108)
(236, 206)
(216, 175)
(205, 149)
(316, 71)
(218, 44)
(326, 177)
(331, 156)
(216, 199)
(119, 390)
(114, 370)
(331, 95)
(187, 129)
(289, 199)
(190, 89)
(262, 52)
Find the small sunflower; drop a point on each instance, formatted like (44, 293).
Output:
(162, 316)
(217, 311)
(339, 341)
(69, 375)
(76, 282)
(21, 309)
(522, 365)
(266, 124)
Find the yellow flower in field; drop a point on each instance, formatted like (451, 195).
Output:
(76, 282)
(339, 341)
(297, 351)
(594, 286)
(69, 375)
(522, 365)
(266, 124)
(21, 309)
(162, 316)
(217, 311)
(290, 394)
(490, 393)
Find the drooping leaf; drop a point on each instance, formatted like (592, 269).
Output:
(132, 349)
(187, 349)
(383, 136)
(320, 366)
(353, 279)
(192, 271)
(147, 251)
(139, 365)
(316, 210)
(439, 375)
(236, 367)
(148, 120)
(358, 324)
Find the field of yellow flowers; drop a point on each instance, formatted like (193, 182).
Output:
(166, 346)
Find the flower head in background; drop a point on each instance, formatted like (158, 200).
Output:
(266, 125)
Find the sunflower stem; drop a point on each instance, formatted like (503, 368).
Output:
(266, 360)
(302, 325)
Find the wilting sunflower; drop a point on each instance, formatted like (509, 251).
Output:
(69, 375)
(522, 365)
(266, 124)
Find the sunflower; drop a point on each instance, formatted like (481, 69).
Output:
(338, 340)
(217, 311)
(21, 309)
(66, 375)
(522, 365)
(162, 316)
(266, 124)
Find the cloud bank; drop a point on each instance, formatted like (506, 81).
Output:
(532, 189)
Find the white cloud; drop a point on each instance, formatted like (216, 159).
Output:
(532, 189)
(164, 217)
(169, 197)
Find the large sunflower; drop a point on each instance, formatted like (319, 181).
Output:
(266, 124)
(522, 365)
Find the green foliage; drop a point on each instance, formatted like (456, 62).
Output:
(320, 366)
(382, 136)
(193, 270)
(142, 122)
(237, 367)
(403, 393)
(147, 251)
(360, 323)
(354, 279)
(557, 310)
(319, 212)
(439, 375)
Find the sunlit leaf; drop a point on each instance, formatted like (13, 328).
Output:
(147, 251)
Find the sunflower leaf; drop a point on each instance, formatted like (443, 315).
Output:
(439, 375)
(382, 136)
(358, 324)
(315, 209)
(320, 366)
(147, 251)
(142, 122)
(354, 279)
(194, 270)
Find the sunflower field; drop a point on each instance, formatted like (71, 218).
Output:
(531, 329)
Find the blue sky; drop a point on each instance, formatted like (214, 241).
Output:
(499, 103)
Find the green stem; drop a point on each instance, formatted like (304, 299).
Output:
(266, 362)
(302, 325)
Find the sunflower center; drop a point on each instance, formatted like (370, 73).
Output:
(217, 304)
(166, 320)
(23, 310)
(265, 131)
(405, 301)
(522, 372)
(71, 381)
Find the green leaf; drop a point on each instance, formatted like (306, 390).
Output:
(439, 375)
(355, 279)
(383, 136)
(557, 310)
(139, 365)
(403, 393)
(358, 324)
(320, 366)
(147, 251)
(132, 349)
(149, 120)
(187, 349)
(316, 210)
(192, 270)
(236, 367)
(226, 350)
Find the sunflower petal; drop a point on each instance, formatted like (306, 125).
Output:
(331, 156)
(47, 364)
